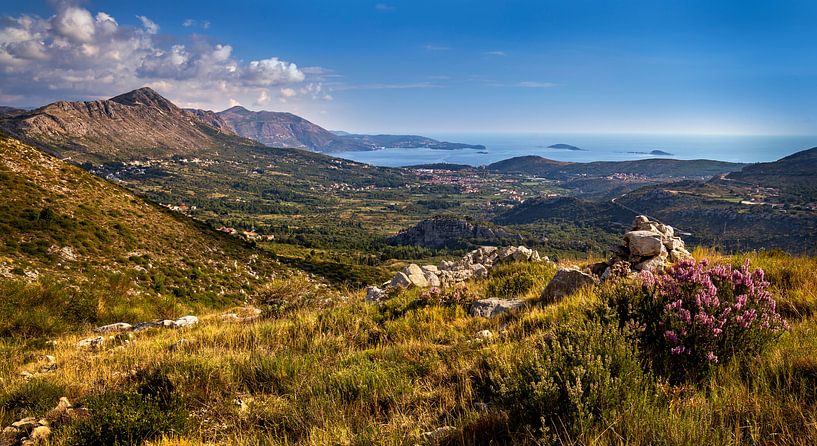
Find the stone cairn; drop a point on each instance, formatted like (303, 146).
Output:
(31, 431)
(648, 246)
(474, 265)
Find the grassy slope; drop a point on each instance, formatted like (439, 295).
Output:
(85, 239)
(353, 373)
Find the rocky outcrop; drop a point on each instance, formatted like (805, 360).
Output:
(566, 281)
(494, 307)
(440, 232)
(648, 246)
(474, 265)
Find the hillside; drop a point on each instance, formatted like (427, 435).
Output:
(280, 129)
(453, 232)
(135, 125)
(795, 176)
(651, 168)
(64, 225)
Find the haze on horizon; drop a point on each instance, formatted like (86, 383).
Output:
(692, 67)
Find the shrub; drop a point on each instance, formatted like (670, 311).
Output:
(132, 417)
(28, 399)
(458, 295)
(510, 286)
(586, 372)
(280, 297)
(697, 316)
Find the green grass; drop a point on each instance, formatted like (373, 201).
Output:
(331, 369)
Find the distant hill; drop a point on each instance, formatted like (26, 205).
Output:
(10, 110)
(451, 232)
(794, 175)
(62, 223)
(373, 142)
(138, 124)
(565, 147)
(566, 209)
(665, 168)
(279, 129)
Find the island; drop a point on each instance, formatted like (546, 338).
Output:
(565, 147)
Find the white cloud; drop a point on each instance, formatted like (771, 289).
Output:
(189, 23)
(383, 7)
(496, 53)
(75, 23)
(529, 84)
(288, 92)
(263, 99)
(79, 54)
(436, 48)
(150, 26)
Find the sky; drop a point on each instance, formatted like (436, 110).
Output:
(624, 66)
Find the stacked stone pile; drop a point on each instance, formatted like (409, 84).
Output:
(648, 246)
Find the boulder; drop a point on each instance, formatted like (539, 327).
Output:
(565, 282)
(432, 278)
(479, 270)
(375, 294)
(415, 275)
(114, 328)
(644, 243)
(430, 269)
(494, 307)
(400, 280)
(91, 343)
(653, 264)
(186, 321)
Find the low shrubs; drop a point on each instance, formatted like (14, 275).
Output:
(127, 417)
(582, 375)
(697, 316)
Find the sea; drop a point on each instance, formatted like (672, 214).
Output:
(595, 147)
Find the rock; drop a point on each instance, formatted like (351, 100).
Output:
(644, 243)
(375, 294)
(430, 269)
(678, 254)
(26, 424)
(479, 271)
(400, 280)
(186, 321)
(653, 264)
(485, 335)
(438, 434)
(114, 328)
(432, 279)
(521, 254)
(59, 413)
(40, 434)
(415, 275)
(535, 257)
(493, 307)
(565, 282)
(91, 343)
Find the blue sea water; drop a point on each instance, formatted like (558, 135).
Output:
(596, 147)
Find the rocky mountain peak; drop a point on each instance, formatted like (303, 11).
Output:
(145, 96)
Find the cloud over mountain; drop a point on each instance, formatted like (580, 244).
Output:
(79, 53)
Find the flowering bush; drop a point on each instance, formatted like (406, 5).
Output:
(698, 315)
(459, 295)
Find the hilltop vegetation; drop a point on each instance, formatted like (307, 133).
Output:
(98, 251)
(419, 369)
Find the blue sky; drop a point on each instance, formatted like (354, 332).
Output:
(693, 67)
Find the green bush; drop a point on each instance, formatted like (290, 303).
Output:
(510, 286)
(28, 399)
(582, 375)
(132, 417)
